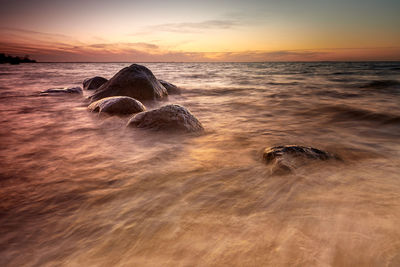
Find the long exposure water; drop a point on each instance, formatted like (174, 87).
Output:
(79, 189)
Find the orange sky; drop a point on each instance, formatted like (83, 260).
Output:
(143, 31)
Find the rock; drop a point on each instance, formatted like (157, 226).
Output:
(170, 117)
(70, 90)
(285, 158)
(172, 89)
(117, 105)
(135, 81)
(93, 83)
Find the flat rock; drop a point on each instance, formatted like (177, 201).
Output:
(135, 81)
(57, 91)
(117, 105)
(93, 83)
(285, 158)
(172, 89)
(170, 117)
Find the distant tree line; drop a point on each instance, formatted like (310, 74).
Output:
(15, 60)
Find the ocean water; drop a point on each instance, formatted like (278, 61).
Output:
(79, 189)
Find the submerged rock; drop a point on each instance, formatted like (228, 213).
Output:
(93, 83)
(135, 81)
(285, 158)
(70, 90)
(117, 105)
(170, 117)
(172, 89)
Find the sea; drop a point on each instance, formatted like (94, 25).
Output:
(82, 189)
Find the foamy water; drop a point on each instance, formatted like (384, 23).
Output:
(78, 189)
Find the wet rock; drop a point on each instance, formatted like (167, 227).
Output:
(172, 89)
(117, 105)
(93, 83)
(170, 117)
(70, 90)
(284, 159)
(135, 81)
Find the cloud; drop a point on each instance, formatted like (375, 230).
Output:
(140, 45)
(190, 27)
(58, 47)
(25, 32)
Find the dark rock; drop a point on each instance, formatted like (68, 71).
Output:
(117, 105)
(93, 83)
(135, 81)
(285, 158)
(172, 89)
(170, 117)
(70, 90)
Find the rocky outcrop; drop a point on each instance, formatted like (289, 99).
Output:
(170, 118)
(172, 89)
(70, 90)
(93, 83)
(135, 81)
(286, 158)
(117, 105)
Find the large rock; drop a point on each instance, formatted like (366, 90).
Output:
(117, 105)
(93, 83)
(170, 117)
(58, 91)
(172, 89)
(135, 81)
(283, 159)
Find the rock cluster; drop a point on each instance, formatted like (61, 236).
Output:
(121, 95)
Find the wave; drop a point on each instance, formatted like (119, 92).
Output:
(343, 73)
(277, 83)
(381, 84)
(206, 75)
(390, 86)
(340, 113)
(218, 91)
(336, 94)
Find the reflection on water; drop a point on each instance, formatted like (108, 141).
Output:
(79, 189)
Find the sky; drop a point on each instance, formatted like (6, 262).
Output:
(207, 30)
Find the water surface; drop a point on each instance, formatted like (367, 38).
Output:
(78, 189)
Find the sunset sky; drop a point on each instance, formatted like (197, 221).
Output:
(208, 30)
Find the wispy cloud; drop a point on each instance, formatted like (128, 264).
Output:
(190, 27)
(31, 33)
(123, 45)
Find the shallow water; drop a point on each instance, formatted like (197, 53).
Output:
(78, 189)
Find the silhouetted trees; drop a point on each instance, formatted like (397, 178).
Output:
(15, 60)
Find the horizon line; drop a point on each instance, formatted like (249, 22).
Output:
(280, 61)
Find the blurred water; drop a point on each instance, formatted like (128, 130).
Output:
(78, 189)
